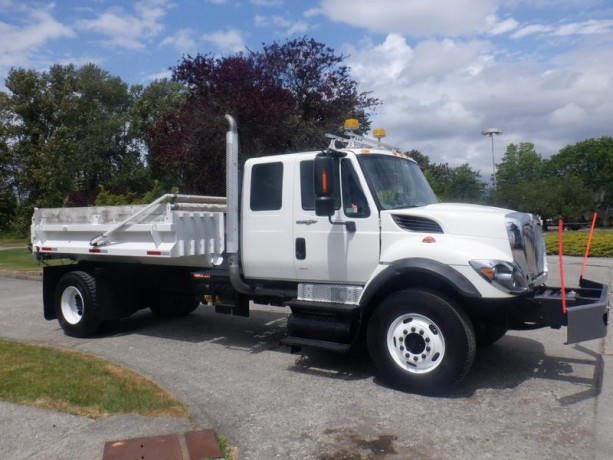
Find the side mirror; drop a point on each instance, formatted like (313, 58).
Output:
(323, 170)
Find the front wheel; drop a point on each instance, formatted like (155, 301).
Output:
(420, 342)
(76, 304)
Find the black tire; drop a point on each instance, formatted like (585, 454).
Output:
(488, 333)
(173, 305)
(420, 342)
(76, 304)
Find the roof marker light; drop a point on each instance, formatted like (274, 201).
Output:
(351, 124)
(378, 133)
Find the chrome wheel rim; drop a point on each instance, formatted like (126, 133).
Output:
(415, 343)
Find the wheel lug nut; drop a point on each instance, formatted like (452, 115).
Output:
(405, 332)
(427, 340)
(412, 329)
(416, 359)
(401, 338)
(421, 332)
(428, 349)
(401, 348)
(423, 356)
(407, 355)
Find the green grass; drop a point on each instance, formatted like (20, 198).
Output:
(18, 259)
(8, 242)
(15, 256)
(78, 384)
(575, 242)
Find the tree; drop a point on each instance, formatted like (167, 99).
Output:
(464, 185)
(8, 203)
(159, 98)
(460, 184)
(591, 162)
(284, 97)
(518, 178)
(524, 182)
(66, 131)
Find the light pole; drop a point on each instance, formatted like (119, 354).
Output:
(492, 132)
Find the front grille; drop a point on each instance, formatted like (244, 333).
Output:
(417, 224)
(528, 245)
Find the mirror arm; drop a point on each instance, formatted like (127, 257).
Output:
(349, 225)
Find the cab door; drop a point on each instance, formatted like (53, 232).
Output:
(331, 252)
(267, 248)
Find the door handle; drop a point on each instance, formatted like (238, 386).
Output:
(300, 248)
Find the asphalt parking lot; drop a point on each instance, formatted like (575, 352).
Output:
(528, 396)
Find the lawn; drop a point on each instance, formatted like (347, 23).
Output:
(79, 384)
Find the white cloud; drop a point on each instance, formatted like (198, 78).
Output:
(127, 30)
(261, 21)
(298, 27)
(568, 115)
(182, 41)
(589, 27)
(415, 18)
(267, 3)
(502, 27)
(19, 44)
(289, 27)
(380, 65)
(532, 29)
(230, 40)
(439, 94)
(312, 12)
(165, 73)
(585, 28)
(437, 59)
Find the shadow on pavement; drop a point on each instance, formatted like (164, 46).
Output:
(505, 365)
(259, 332)
(515, 360)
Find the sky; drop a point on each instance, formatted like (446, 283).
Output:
(445, 70)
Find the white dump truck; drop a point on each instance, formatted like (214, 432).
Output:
(350, 239)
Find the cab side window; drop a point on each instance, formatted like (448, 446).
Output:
(266, 187)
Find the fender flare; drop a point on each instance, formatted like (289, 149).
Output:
(417, 266)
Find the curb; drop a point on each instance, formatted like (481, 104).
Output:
(25, 275)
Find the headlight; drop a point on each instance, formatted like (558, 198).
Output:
(506, 276)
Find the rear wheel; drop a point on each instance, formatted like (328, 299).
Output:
(76, 304)
(420, 342)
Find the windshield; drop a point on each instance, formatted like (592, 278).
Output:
(396, 182)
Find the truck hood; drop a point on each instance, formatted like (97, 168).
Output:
(454, 219)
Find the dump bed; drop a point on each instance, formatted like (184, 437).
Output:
(185, 230)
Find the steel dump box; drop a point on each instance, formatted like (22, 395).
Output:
(184, 230)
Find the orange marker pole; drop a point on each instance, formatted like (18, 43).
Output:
(563, 293)
(589, 243)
